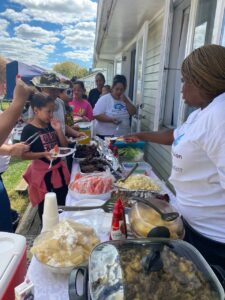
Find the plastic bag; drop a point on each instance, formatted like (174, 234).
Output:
(68, 244)
(94, 184)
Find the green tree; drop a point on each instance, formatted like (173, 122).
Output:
(70, 69)
(2, 69)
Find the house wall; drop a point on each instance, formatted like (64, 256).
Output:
(158, 156)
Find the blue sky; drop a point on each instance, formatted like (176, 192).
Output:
(46, 32)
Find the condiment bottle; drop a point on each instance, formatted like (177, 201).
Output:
(115, 151)
(118, 228)
(110, 146)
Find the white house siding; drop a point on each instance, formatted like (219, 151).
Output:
(158, 156)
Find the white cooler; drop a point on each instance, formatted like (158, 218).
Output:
(13, 265)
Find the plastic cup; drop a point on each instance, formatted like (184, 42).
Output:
(50, 205)
(50, 216)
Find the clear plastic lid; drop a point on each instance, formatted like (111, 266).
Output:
(154, 269)
(143, 219)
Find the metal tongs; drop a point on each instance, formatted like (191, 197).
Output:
(32, 138)
(130, 173)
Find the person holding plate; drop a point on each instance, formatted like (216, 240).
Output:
(44, 174)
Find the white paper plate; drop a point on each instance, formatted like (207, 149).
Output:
(61, 154)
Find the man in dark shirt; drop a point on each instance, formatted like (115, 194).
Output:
(95, 94)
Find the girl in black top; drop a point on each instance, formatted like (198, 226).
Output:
(51, 134)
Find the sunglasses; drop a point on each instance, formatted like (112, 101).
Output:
(68, 93)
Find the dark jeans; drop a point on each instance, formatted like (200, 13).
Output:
(60, 193)
(5, 211)
(212, 251)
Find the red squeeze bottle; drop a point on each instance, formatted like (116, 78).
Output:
(118, 228)
(110, 146)
(115, 151)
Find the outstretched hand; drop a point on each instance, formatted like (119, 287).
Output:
(131, 139)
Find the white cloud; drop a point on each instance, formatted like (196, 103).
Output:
(38, 34)
(48, 48)
(3, 27)
(15, 16)
(84, 55)
(77, 38)
(23, 50)
(88, 26)
(35, 45)
(59, 11)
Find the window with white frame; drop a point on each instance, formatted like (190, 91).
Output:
(203, 31)
(204, 26)
(118, 69)
(222, 37)
(204, 23)
(177, 53)
(139, 71)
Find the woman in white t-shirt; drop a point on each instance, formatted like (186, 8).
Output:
(198, 152)
(112, 111)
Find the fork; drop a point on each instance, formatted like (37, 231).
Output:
(50, 165)
(107, 207)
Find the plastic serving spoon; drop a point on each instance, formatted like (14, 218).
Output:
(165, 216)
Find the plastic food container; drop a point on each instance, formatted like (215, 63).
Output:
(83, 152)
(149, 269)
(67, 245)
(123, 144)
(93, 166)
(91, 186)
(139, 185)
(86, 128)
(79, 196)
(143, 219)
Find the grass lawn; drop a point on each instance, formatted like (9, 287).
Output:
(11, 178)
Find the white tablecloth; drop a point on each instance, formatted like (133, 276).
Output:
(49, 286)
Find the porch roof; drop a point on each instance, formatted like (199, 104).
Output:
(118, 21)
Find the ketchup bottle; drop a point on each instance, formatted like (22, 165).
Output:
(115, 151)
(110, 146)
(118, 228)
